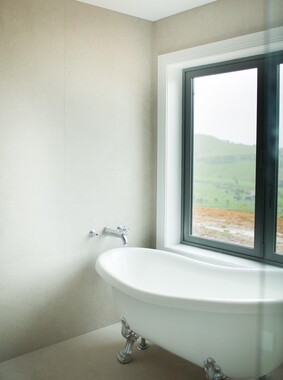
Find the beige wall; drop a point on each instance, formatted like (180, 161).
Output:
(216, 21)
(78, 150)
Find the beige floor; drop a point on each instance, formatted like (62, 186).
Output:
(93, 357)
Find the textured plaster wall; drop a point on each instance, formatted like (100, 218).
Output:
(76, 153)
(216, 21)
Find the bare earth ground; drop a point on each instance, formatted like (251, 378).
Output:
(229, 226)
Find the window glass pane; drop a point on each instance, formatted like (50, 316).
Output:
(279, 234)
(224, 156)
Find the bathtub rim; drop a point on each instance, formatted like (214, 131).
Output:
(239, 306)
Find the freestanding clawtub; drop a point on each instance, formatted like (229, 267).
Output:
(205, 313)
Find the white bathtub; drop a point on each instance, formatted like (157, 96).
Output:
(199, 310)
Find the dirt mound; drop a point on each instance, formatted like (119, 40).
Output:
(229, 226)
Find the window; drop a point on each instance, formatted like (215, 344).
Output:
(232, 198)
(170, 201)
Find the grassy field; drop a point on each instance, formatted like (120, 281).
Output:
(224, 175)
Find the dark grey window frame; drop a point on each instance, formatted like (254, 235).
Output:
(266, 163)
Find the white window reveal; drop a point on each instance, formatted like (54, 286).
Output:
(220, 149)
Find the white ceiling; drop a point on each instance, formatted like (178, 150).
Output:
(151, 10)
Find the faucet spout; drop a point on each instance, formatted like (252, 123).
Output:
(124, 238)
(120, 232)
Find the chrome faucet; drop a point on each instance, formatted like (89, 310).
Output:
(121, 232)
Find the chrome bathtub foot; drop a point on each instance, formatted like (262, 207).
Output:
(213, 371)
(142, 345)
(125, 356)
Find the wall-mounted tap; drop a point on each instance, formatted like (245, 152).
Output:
(121, 232)
(92, 233)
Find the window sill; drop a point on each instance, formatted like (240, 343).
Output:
(217, 258)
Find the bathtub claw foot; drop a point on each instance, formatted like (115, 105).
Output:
(213, 371)
(125, 356)
(142, 345)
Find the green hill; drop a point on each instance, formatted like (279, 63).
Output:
(209, 146)
(224, 175)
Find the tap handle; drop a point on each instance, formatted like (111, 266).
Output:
(92, 233)
(123, 229)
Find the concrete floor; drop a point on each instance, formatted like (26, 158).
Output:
(93, 357)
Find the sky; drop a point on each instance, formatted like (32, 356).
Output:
(225, 106)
